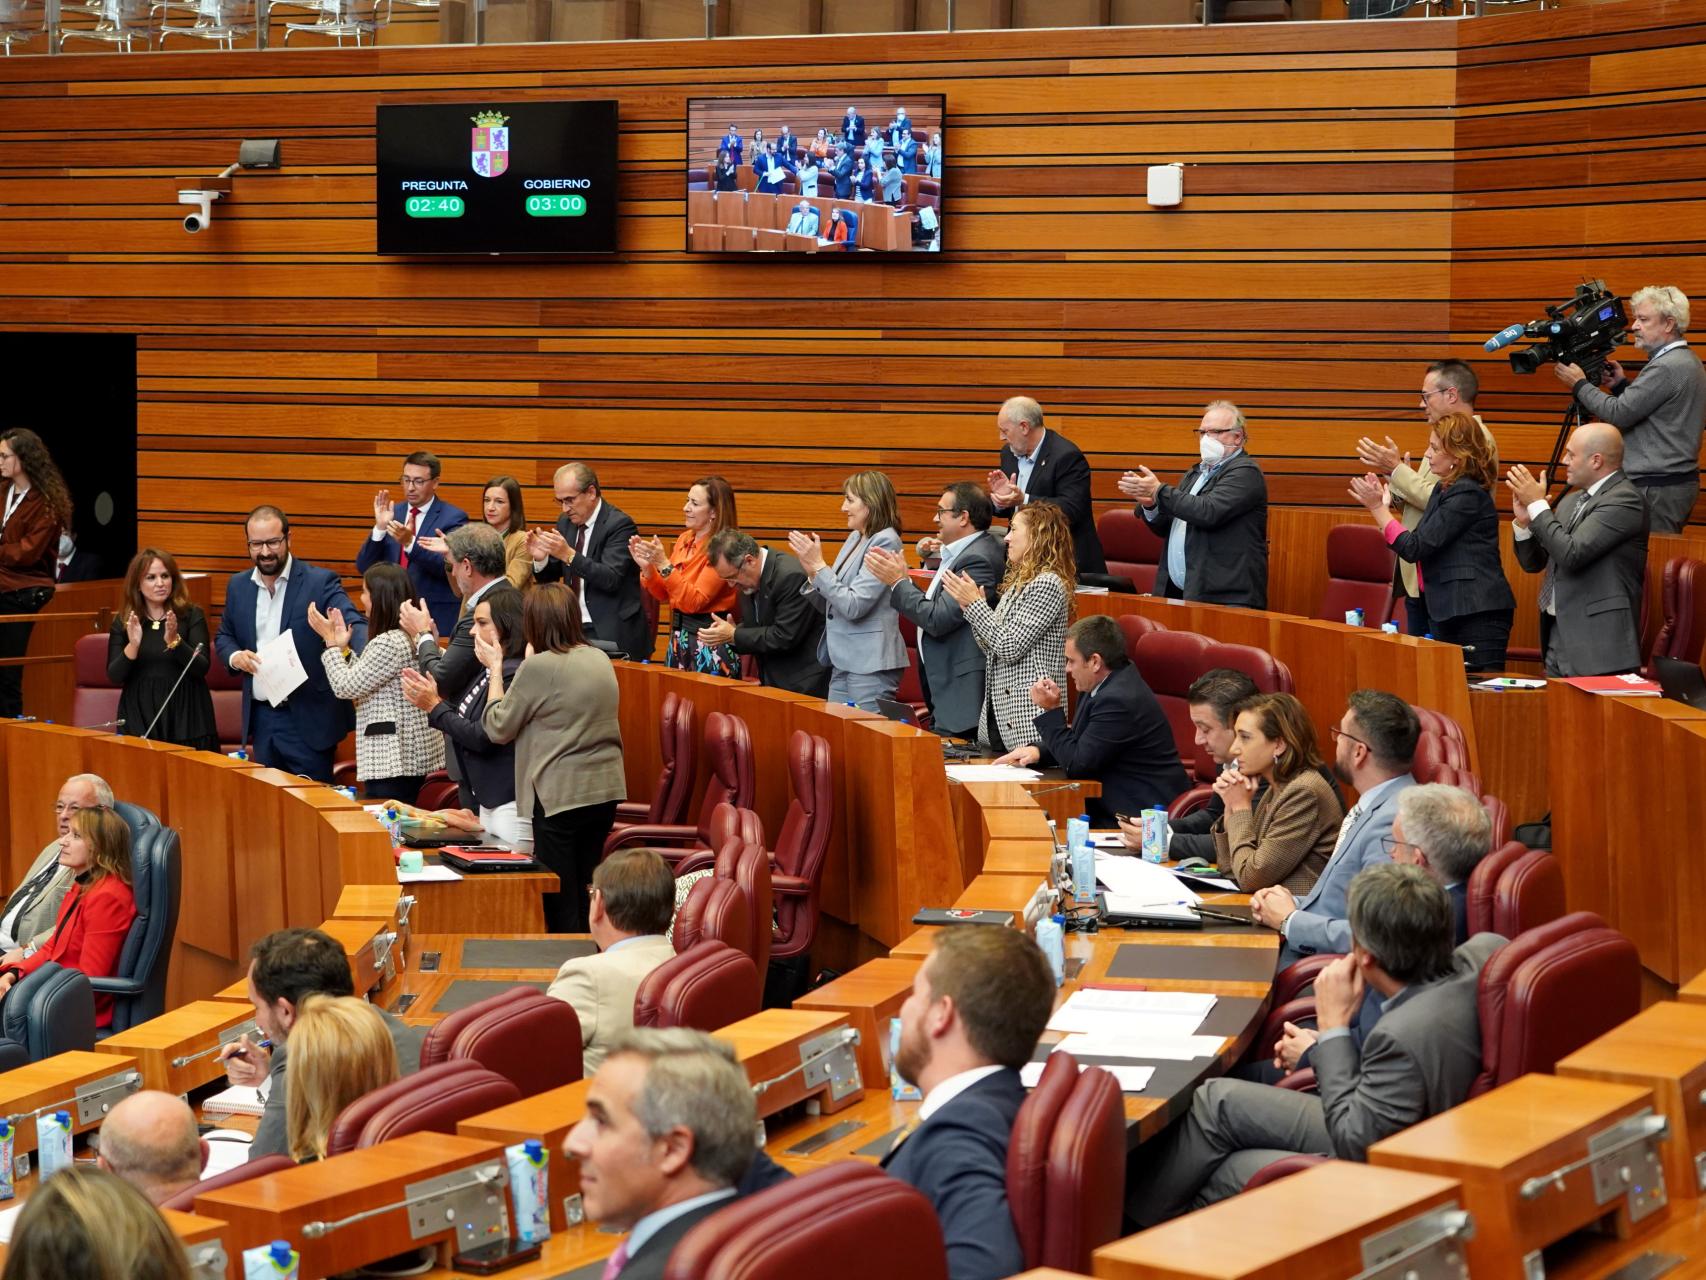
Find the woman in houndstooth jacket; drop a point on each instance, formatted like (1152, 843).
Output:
(1024, 636)
(395, 747)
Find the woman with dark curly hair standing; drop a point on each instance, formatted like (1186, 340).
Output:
(37, 510)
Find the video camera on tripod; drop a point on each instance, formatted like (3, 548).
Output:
(1583, 331)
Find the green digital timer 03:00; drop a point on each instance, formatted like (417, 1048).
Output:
(434, 206)
(556, 206)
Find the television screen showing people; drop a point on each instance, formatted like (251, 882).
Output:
(856, 174)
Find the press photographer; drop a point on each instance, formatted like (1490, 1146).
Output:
(1660, 412)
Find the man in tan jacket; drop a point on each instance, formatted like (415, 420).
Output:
(1449, 386)
(633, 898)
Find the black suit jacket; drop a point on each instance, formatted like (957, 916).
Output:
(1226, 541)
(1120, 738)
(84, 566)
(610, 579)
(780, 626)
(648, 1263)
(958, 1159)
(1062, 476)
(454, 667)
(1456, 544)
(487, 767)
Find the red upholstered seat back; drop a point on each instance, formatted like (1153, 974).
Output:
(1499, 817)
(803, 843)
(433, 1100)
(1683, 598)
(714, 909)
(728, 757)
(1484, 885)
(184, 1201)
(1066, 1164)
(1359, 574)
(227, 689)
(95, 698)
(1530, 893)
(1270, 674)
(747, 867)
(707, 987)
(522, 1034)
(1135, 626)
(677, 723)
(1549, 991)
(1437, 757)
(438, 791)
(1438, 722)
(847, 1221)
(1131, 547)
(1169, 662)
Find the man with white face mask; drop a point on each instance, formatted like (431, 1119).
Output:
(73, 565)
(1214, 521)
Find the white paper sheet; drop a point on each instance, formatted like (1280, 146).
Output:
(281, 672)
(1126, 1000)
(427, 875)
(1131, 1079)
(226, 1149)
(9, 1219)
(991, 773)
(1132, 1014)
(1140, 884)
(1171, 1048)
(1223, 884)
(1109, 840)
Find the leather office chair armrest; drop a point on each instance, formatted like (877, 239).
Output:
(702, 860)
(1273, 1026)
(1298, 977)
(13, 1055)
(1300, 1081)
(1284, 1167)
(118, 986)
(1196, 798)
(794, 886)
(629, 811)
(651, 835)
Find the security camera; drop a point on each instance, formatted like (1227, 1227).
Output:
(197, 221)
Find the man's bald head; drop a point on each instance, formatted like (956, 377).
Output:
(1603, 438)
(150, 1140)
(1594, 451)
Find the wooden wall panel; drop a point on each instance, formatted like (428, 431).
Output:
(1361, 198)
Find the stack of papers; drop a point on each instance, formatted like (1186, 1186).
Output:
(1138, 887)
(991, 773)
(1129, 1014)
(1174, 1049)
(1131, 1079)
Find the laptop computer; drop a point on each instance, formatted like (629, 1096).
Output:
(1681, 681)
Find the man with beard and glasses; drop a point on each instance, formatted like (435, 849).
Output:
(299, 733)
(977, 1007)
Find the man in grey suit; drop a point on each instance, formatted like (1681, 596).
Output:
(953, 664)
(1593, 552)
(1372, 747)
(778, 624)
(1418, 1060)
(1214, 521)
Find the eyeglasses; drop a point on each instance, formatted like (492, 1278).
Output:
(1214, 431)
(1389, 845)
(566, 499)
(1337, 732)
(413, 482)
(946, 511)
(61, 807)
(1437, 391)
(267, 544)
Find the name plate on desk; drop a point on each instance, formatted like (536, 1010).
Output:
(179, 1050)
(88, 1085)
(375, 961)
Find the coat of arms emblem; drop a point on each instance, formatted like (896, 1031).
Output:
(491, 144)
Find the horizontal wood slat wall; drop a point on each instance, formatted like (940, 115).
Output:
(1361, 198)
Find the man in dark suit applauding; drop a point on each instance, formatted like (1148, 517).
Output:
(299, 733)
(953, 662)
(411, 534)
(1038, 465)
(475, 555)
(778, 623)
(1215, 520)
(665, 1142)
(1419, 1059)
(977, 1007)
(1120, 736)
(1593, 552)
(589, 550)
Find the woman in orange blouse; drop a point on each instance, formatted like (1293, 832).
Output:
(95, 917)
(684, 579)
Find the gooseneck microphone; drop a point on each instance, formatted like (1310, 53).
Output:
(194, 654)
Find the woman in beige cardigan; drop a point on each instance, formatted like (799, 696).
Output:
(1287, 836)
(560, 711)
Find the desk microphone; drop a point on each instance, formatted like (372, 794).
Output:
(194, 654)
(1059, 786)
(105, 724)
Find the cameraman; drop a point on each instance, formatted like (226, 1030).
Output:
(1661, 412)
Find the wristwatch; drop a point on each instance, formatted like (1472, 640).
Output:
(666, 571)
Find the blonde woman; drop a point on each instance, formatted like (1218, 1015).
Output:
(87, 1224)
(340, 1050)
(861, 633)
(1024, 636)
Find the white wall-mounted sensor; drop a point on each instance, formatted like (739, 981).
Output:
(1166, 185)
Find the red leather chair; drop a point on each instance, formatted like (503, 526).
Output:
(848, 1221)
(1529, 894)
(1484, 884)
(1170, 662)
(676, 725)
(911, 687)
(522, 1034)
(1066, 1165)
(1498, 817)
(1270, 674)
(747, 867)
(729, 826)
(802, 845)
(433, 1100)
(1682, 596)
(95, 698)
(1135, 626)
(1284, 1167)
(714, 909)
(438, 791)
(708, 987)
(1438, 722)
(728, 753)
(1131, 547)
(259, 1167)
(1359, 574)
(227, 690)
(1549, 991)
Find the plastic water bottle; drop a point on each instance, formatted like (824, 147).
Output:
(1051, 937)
(1390, 628)
(275, 1261)
(1083, 855)
(53, 1142)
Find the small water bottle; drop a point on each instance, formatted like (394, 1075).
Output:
(1083, 856)
(1390, 628)
(1353, 617)
(1051, 937)
(53, 1142)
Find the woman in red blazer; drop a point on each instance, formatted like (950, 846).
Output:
(95, 916)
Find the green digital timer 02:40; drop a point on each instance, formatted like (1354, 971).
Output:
(434, 206)
(556, 206)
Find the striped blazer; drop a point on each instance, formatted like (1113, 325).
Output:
(392, 736)
(1024, 639)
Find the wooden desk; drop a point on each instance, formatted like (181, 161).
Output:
(450, 948)
(1510, 728)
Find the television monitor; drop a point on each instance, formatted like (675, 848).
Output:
(488, 177)
(858, 175)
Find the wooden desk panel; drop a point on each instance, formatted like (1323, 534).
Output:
(311, 845)
(204, 792)
(42, 758)
(833, 722)
(1576, 721)
(1673, 857)
(1018, 858)
(1510, 730)
(507, 902)
(870, 996)
(134, 769)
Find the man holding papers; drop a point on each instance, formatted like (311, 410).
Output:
(771, 170)
(1418, 1060)
(291, 718)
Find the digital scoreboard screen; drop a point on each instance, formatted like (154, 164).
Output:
(497, 177)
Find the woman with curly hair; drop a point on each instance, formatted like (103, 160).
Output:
(1455, 545)
(37, 510)
(1024, 636)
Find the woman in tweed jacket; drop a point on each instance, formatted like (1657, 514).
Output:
(1287, 836)
(1024, 636)
(395, 747)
